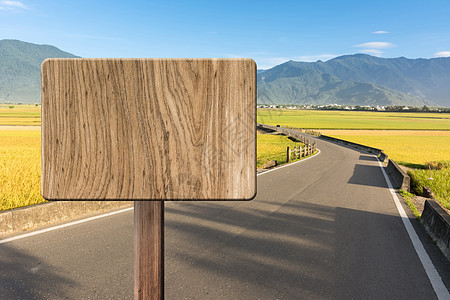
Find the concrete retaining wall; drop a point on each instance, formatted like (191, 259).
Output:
(26, 218)
(399, 178)
(437, 223)
(378, 152)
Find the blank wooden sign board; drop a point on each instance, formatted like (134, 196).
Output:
(148, 129)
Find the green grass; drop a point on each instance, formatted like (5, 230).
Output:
(437, 180)
(408, 197)
(354, 120)
(273, 147)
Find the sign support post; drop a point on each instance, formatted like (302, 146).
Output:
(148, 250)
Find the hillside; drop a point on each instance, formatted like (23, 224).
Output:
(366, 79)
(20, 69)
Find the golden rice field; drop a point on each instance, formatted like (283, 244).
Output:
(404, 146)
(20, 168)
(321, 119)
(409, 138)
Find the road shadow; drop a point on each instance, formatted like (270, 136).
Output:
(24, 276)
(368, 158)
(296, 251)
(368, 175)
(232, 247)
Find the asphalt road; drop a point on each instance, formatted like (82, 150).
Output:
(325, 228)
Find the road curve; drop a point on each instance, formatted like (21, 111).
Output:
(326, 227)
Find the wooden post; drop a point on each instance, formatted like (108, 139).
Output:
(296, 152)
(288, 155)
(148, 250)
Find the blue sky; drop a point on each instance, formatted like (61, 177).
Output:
(270, 32)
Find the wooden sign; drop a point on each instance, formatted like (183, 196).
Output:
(148, 129)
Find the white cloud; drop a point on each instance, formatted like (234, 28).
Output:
(376, 45)
(380, 32)
(442, 54)
(375, 52)
(11, 5)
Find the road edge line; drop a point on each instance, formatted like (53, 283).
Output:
(290, 164)
(433, 275)
(18, 237)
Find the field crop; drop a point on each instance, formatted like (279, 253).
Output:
(12, 114)
(412, 139)
(20, 168)
(354, 119)
(411, 147)
(273, 147)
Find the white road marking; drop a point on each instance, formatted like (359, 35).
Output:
(18, 237)
(433, 275)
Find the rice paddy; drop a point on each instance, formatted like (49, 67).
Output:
(20, 168)
(314, 119)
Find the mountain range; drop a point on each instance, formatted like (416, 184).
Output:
(357, 79)
(20, 70)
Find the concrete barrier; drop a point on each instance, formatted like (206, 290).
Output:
(30, 217)
(398, 177)
(437, 223)
(378, 152)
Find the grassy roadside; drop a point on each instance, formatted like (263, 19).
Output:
(409, 200)
(436, 179)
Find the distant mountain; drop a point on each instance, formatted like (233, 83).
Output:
(20, 69)
(358, 80)
(349, 80)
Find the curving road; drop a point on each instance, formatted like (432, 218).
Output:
(326, 227)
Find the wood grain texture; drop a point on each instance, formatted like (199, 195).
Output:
(155, 129)
(148, 250)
